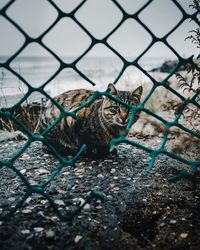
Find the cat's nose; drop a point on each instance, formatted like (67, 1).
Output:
(124, 119)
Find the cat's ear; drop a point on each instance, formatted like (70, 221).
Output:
(113, 90)
(137, 93)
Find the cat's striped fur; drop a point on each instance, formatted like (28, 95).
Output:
(96, 125)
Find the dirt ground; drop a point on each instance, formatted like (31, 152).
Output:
(140, 210)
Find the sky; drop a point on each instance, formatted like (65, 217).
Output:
(99, 17)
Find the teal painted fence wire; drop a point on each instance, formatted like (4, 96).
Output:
(154, 153)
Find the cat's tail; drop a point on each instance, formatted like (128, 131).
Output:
(29, 115)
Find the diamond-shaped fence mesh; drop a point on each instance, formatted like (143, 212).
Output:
(72, 17)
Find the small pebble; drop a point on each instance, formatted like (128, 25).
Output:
(80, 175)
(23, 171)
(41, 213)
(43, 171)
(86, 207)
(79, 170)
(33, 183)
(49, 233)
(25, 231)
(78, 201)
(100, 176)
(108, 160)
(81, 163)
(172, 221)
(28, 200)
(183, 219)
(43, 202)
(38, 229)
(183, 235)
(61, 191)
(77, 238)
(82, 201)
(109, 197)
(11, 199)
(98, 207)
(115, 163)
(59, 202)
(26, 211)
(65, 173)
(25, 156)
(112, 171)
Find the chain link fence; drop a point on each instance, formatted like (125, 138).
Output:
(154, 153)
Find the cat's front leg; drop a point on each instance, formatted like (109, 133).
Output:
(101, 152)
(95, 153)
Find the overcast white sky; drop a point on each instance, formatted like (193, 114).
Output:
(99, 17)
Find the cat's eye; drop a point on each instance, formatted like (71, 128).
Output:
(114, 110)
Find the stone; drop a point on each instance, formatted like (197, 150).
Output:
(112, 171)
(100, 176)
(25, 231)
(38, 229)
(28, 200)
(184, 235)
(172, 221)
(11, 199)
(50, 234)
(86, 207)
(26, 211)
(59, 202)
(77, 238)
(23, 171)
(43, 171)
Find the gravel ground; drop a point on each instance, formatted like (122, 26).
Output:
(140, 210)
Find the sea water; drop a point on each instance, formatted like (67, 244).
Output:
(98, 72)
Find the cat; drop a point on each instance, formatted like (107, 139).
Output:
(96, 124)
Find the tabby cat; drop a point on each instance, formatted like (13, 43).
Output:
(96, 125)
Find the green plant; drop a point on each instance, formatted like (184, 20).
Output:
(191, 84)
